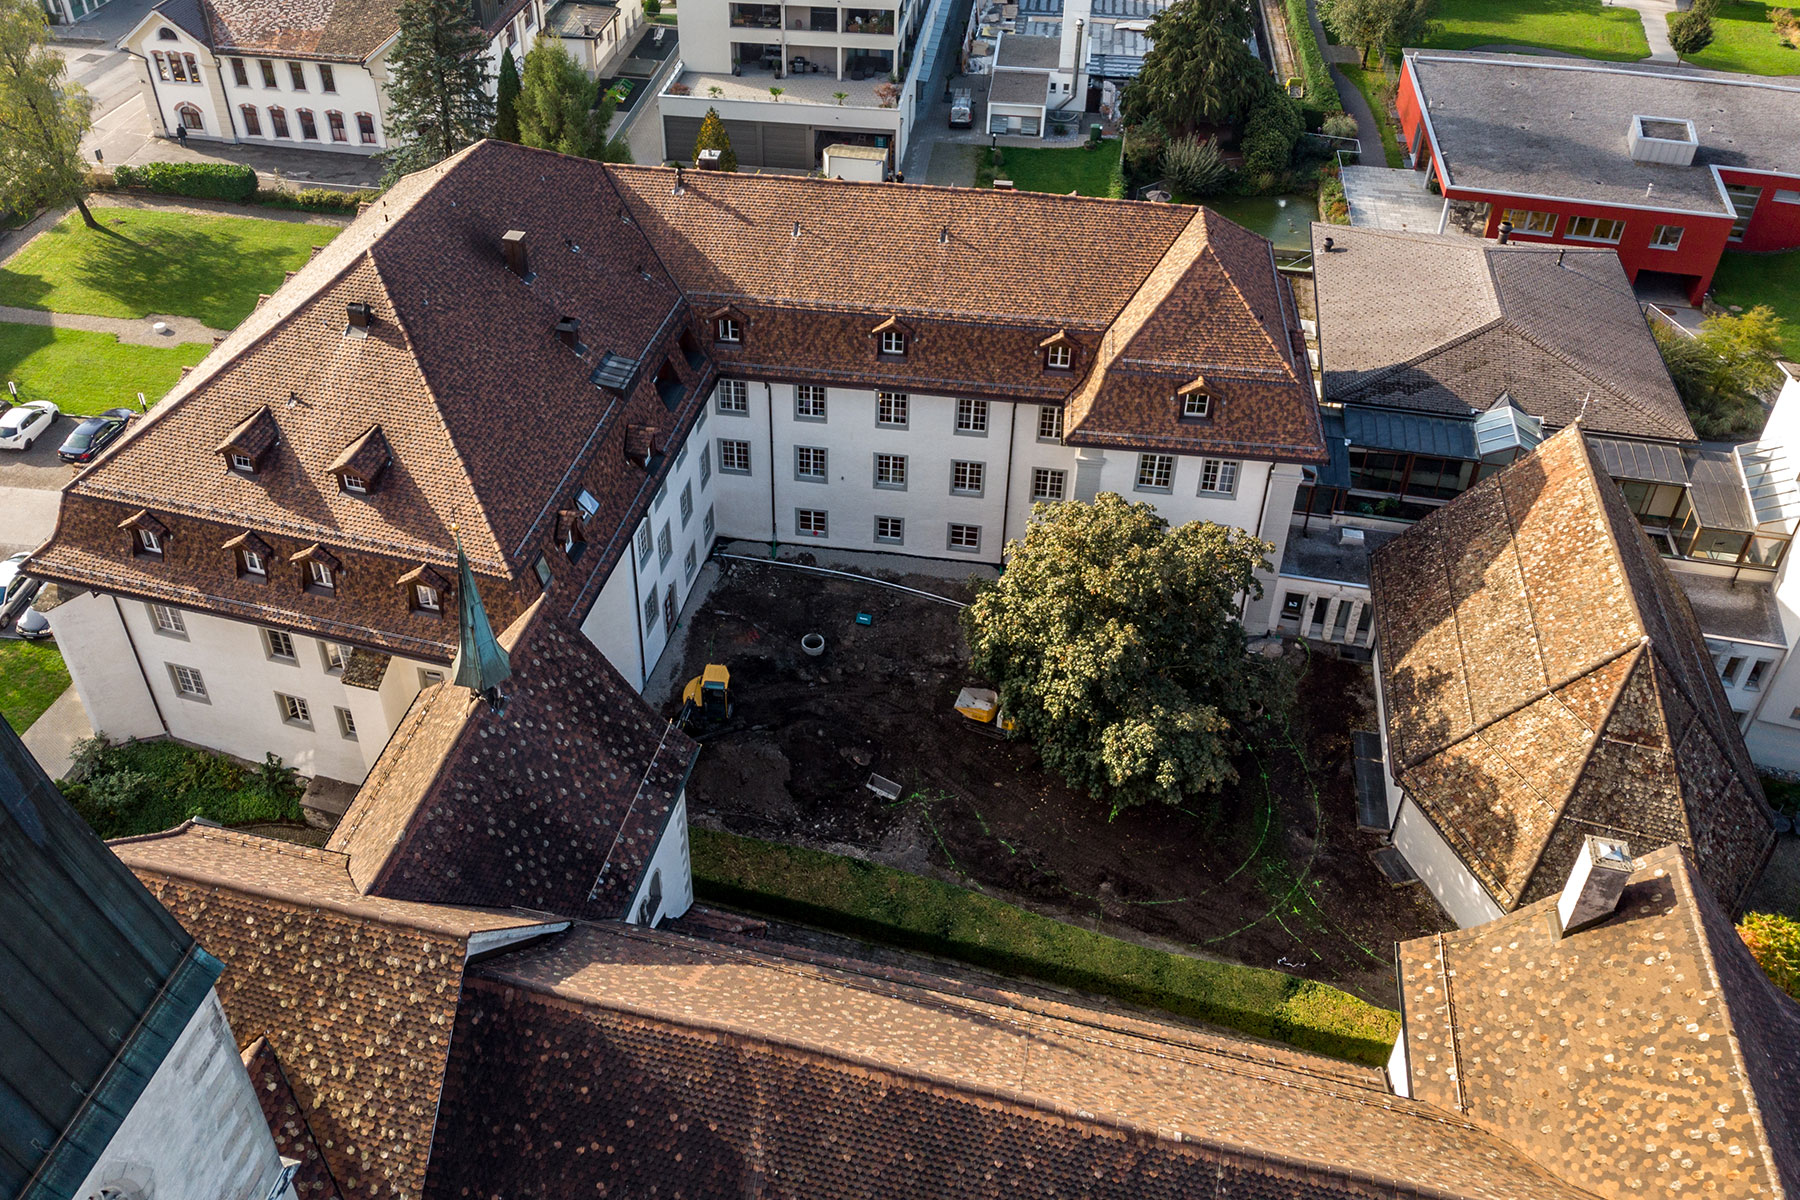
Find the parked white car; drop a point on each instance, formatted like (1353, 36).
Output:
(21, 427)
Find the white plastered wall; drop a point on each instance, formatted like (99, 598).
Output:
(1773, 736)
(103, 667)
(1441, 869)
(671, 869)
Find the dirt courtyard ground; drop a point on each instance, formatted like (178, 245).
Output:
(1274, 873)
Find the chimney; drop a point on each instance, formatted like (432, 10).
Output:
(568, 332)
(680, 182)
(361, 315)
(1506, 229)
(944, 236)
(1595, 884)
(512, 244)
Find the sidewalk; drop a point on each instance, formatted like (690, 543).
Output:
(1655, 16)
(53, 735)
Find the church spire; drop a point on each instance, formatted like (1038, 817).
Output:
(481, 664)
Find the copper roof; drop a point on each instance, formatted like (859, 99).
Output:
(1647, 1055)
(563, 792)
(356, 994)
(623, 1061)
(1545, 678)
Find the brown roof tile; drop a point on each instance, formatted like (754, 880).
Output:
(1646, 1055)
(1545, 678)
(714, 1071)
(339, 30)
(287, 1123)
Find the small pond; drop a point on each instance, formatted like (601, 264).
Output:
(1284, 220)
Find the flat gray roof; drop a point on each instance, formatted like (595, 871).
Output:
(1557, 127)
(1740, 611)
(1023, 50)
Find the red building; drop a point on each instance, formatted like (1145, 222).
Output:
(1672, 166)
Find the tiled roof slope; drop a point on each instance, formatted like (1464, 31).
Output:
(572, 782)
(626, 1062)
(287, 1123)
(1447, 323)
(1645, 1056)
(339, 30)
(356, 995)
(1544, 679)
(493, 422)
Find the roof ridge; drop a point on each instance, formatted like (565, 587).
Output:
(1581, 369)
(1209, 249)
(1427, 354)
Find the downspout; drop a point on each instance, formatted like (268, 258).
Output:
(769, 393)
(225, 100)
(1012, 435)
(139, 660)
(150, 74)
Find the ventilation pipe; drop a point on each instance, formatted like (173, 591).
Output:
(1506, 232)
(361, 315)
(568, 332)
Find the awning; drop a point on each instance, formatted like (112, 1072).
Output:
(1650, 462)
(1410, 433)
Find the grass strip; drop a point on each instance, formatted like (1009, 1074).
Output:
(880, 904)
(1746, 41)
(1585, 27)
(1315, 77)
(1372, 82)
(1087, 171)
(84, 373)
(32, 676)
(1747, 280)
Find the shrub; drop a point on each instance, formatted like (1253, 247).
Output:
(1786, 25)
(132, 788)
(1775, 941)
(1690, 32)
(1339, 125)
(1334, 206)
(1320, 92)
(900, 909)
(1194, 166)
(1144, 146)
(206, 181)
(325, 200)
(652, 7)
(1274, 126)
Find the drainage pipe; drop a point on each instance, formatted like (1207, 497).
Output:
(899, 587)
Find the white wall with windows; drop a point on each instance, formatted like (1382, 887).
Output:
(667, 889)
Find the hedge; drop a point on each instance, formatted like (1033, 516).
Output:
(881, 904)
(325, 200)
(207, 181)
(1321, 92)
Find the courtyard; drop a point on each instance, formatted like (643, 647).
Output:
(1271, 874)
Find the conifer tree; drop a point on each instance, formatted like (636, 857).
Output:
(506, 103)
(439, 97)
(42, 117)
(1199, 71)
(713, 137)
(557, 104)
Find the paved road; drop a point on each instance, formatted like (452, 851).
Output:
(28, 514)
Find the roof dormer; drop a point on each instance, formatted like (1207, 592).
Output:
(362, 464)
(319, 570)
(1059, 351)
(149, 536)
(427, 590)
(246, 448)
(893, 338)
(251, 556)
(643, 445)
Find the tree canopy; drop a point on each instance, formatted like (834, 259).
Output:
(1775, 942)
(1721, 370)
(1114, 642)
(506, 99)
(1199, 71)
(713, 137)
(42, 117)
(556, 104)
(438, 99)
(1374, 25)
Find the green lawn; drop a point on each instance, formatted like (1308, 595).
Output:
(1076, 169)
(153, 261)
(1585, 27)
(86, 373)
(1745, 41)
(1771, 279)
(1372, 83)
(32, 676)
(881, 904)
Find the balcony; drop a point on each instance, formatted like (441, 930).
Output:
(755, 16)
(869, 20)
(812, 20)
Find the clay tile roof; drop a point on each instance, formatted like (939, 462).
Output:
(354, 993)
(366, 457)
(315, 552)
(144, 519)
(1446, 323)
(339, 30)
(249, 540)
(427, 574)
(287, 1123)
(640, 442)
(253, 437)
(1545, 678)
(1644, 1056)
(566, 791)
(714, 1070)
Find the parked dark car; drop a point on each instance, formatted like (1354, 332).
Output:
(17, 590)
(94, 435)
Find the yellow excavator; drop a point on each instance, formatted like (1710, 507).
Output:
(982, 706)
(706, 700)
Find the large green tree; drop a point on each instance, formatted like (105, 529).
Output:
(506, 99)
(1775, 941)
(1374, 25)
(438, 100)
(1200, 70)
(1722, 371)
(713, 137)
(556, 104)
(42, 117)
(1114, 642)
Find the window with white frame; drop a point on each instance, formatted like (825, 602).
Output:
(1528, 221)
(327, 81)
(890, 530)
(1059, 357)
(1667, 237)
(1218, 476)
(687, 504)
(809, 463)
(1196, 406)
(965, 537)
(1595, 229)
(297, 76)
(319, 575)
(665, 546)
(705, 463)
(1155, 472)
(972, 416)
(890, 471)
(810, 522)
(891, 409)
(967, 478)
(426, 598)
(278, 645)
(346, 724)
(893, 341)
(729, 331)
(149, 542)
(294, 709)
(251, 564)
(427, 677)
(168, 620)
(650, 612)
(734, 457)
(268, 72)
(809, 402)
(188, 682)
(688, 563)
(242, 462)
(644, 543)
(336, 656)
(1050, 423)
(239, 76)
(733, 396)
(1048, 484)
(709, 525)
(354, 484)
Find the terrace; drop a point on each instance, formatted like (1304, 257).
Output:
(753, 83)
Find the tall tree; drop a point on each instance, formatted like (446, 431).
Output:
(506, 100)
(713, 137)
(1373, 25)
(1200, 70)
(1114, 643)
(42, 117)
(438, 99)
(556, 104)
(1722, 370)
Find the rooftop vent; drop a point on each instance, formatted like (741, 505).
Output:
(1349, 535)
(1663, 141)
(615, 371)
(568, 332)
(512, 244)
(1602, 868)
(361, 316)
(708, 160)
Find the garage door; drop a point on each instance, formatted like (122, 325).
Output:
(746, 139)
(787, 146)
(679, 136)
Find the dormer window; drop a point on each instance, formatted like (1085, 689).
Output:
(359, 468)
(729, 331)
(148, 535)
(246, 447)
(318, 570)
(243, 464)
(425, 590)
(149, 542)
(353, 483)
(252, 563)
(320, 576)
(1194, 402)
(251, 556)
(569, 534)
(893, 342)
(427, 598)
(1059, 357)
